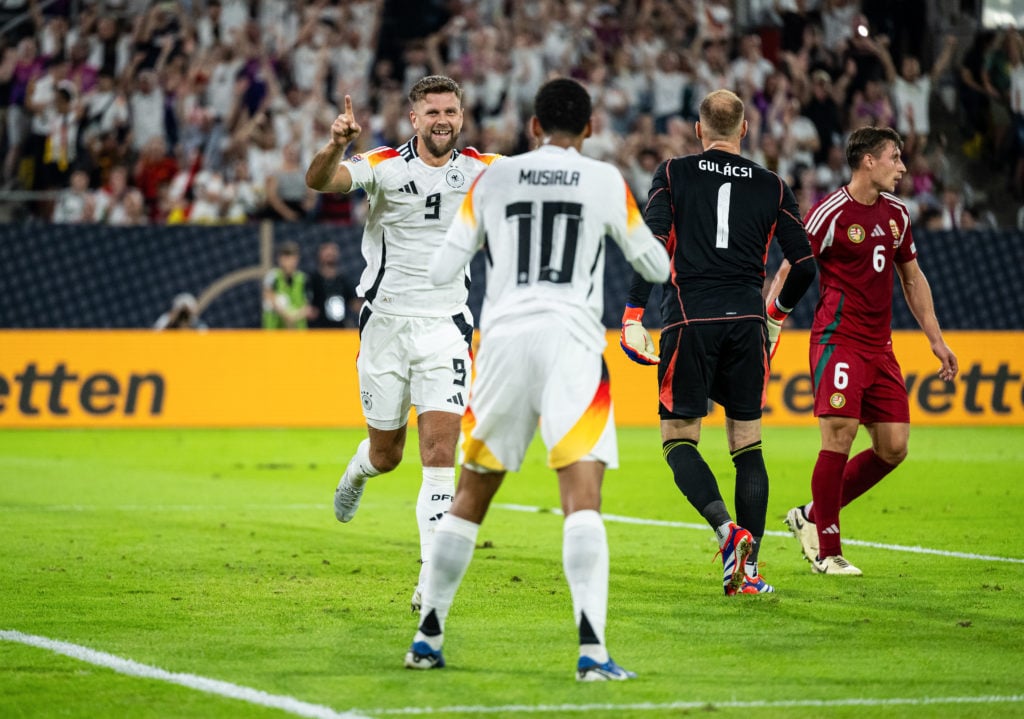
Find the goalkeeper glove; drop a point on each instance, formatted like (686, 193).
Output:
(774, 316)
(635, 339)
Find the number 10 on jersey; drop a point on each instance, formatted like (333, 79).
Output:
(553, 242)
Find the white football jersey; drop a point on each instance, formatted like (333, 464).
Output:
(411, 206)
(543, 217)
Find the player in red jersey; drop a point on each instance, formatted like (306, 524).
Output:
(860, 235)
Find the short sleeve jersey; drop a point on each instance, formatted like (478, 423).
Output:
(411, 206)
(542, 218)
(717, 213)
(856, 247)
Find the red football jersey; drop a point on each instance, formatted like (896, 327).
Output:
(856, 246)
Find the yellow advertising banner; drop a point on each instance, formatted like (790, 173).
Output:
(255, 378)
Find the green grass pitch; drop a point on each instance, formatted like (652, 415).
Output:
(215, 554)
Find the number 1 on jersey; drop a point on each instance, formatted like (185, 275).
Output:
(722, 231)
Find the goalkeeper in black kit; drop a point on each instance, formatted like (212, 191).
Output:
(717, 213)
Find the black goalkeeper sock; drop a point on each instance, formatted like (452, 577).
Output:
(696, 480)
(751, 492)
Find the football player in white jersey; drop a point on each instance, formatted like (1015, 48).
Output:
(542, 218)
(414, 335)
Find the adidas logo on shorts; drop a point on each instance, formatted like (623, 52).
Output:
(456, 399)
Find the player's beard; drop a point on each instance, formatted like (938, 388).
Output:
(440, 150)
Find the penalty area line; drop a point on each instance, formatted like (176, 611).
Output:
(772, 533)
(121, 665)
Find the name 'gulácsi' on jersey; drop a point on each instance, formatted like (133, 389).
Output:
(411, 206)
(547, 214)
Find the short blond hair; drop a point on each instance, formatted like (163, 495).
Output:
(721, 115)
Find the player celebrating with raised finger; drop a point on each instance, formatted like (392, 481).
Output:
(414, 336)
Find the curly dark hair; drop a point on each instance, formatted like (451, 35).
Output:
(563, 105)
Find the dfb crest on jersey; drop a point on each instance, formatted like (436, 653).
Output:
(856, 234)
(895, 229)
(455, 178)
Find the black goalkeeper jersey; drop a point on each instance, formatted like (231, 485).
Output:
(717, 213)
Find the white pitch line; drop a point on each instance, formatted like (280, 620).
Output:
(620, 519)
(669, 706)
(772, 533)
(121, 665)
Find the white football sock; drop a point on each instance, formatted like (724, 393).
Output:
(454, 542)
(750, 568)
(585, 560)
(433, 502)
(722, 533)
(359, 468)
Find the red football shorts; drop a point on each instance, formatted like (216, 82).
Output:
(861, 383)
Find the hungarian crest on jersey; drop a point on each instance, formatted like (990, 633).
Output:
(895, 229)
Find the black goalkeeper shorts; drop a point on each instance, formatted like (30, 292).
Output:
(726, 362)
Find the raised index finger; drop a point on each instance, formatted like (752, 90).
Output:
(348, 105)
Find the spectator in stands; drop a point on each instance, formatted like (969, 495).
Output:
(130, 211)
(110, 46)
(603, 144)
(333, 300)
(751, 66)
(288, 197)
(284, 291)
(146, 104)
(246, 199)
(75, 203)
(104, 109)
(155, 168)
(670, 83)
(973, 96)
(81, 72)
(952, 208)
(995, 77)
(41, 103)
(911, 93)
(60, 151)
(871, 106)
(183, 315)
(1016, 55)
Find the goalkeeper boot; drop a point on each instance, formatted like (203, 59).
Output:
(738, 546)
(346, 499)
(835, 564)
(423, 656)
(589, 670)
(755, 585)
(805, 531)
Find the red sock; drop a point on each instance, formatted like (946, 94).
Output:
(862, 473)
(827, 491)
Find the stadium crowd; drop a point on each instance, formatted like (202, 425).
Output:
(131, 112)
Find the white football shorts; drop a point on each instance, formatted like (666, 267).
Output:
(413, 361)
(530, 375)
